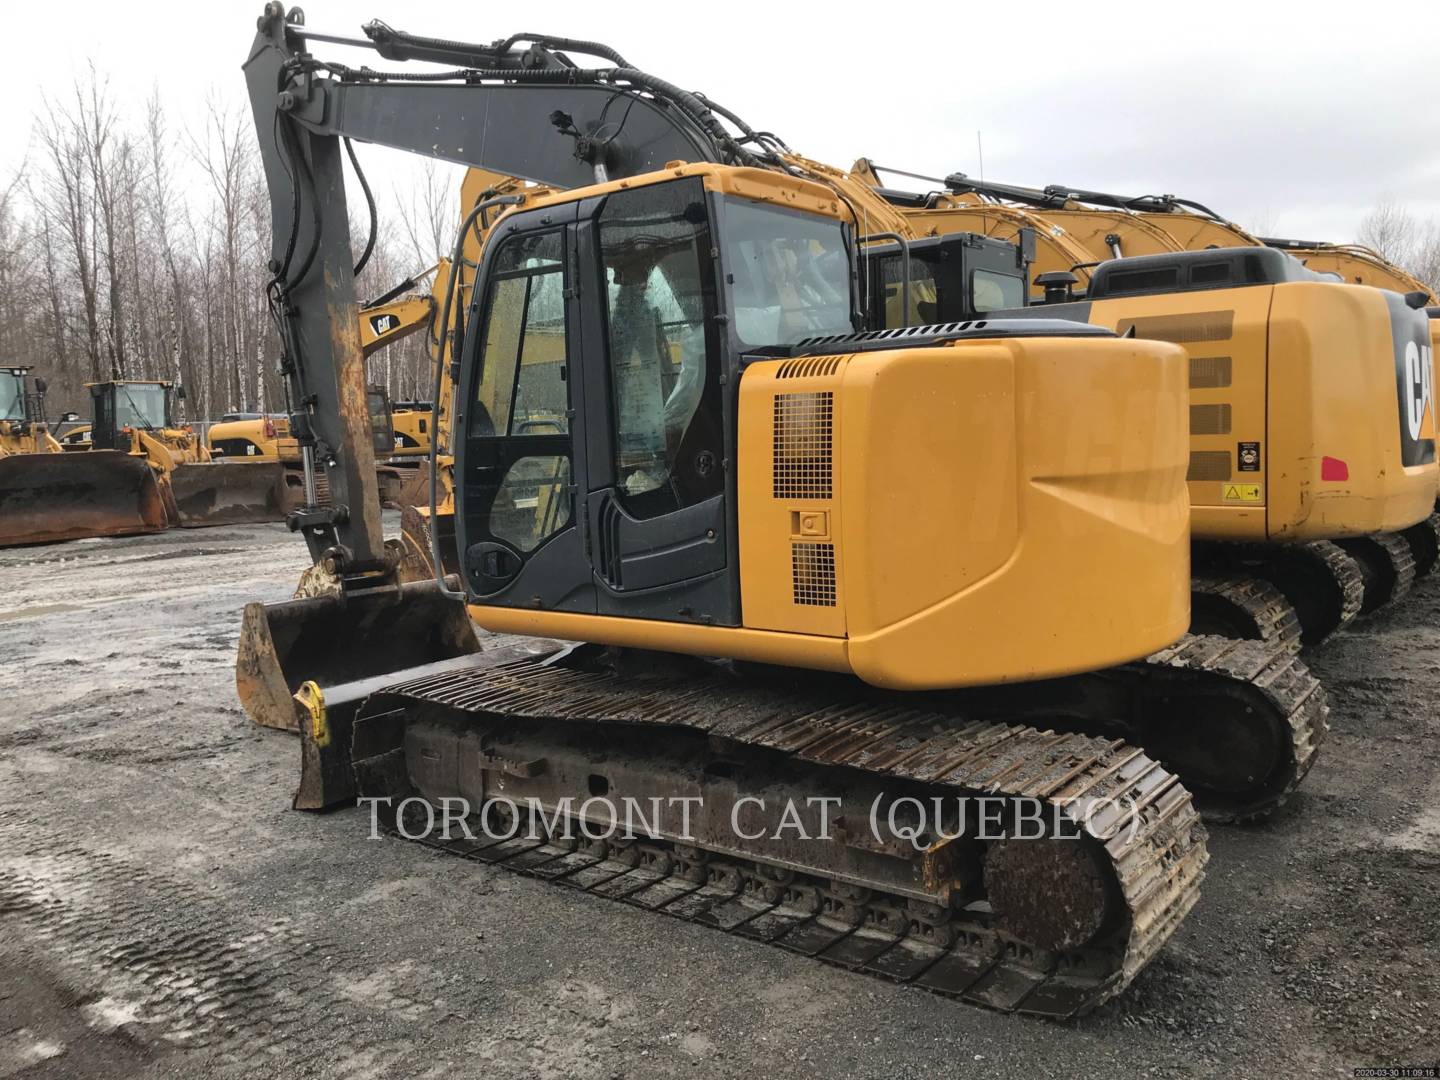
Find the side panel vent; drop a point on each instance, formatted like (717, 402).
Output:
(1209, 419)
(1182, 329)
(1209, 465)
(803, 430)
(808, 367)
(1210, 372)
(812, 568)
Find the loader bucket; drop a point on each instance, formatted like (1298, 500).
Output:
(391, 481)
(49, 497)
(418, 562)
(229, 493)
(333, 640)
(415, 491)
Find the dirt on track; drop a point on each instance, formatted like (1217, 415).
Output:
(164, 913)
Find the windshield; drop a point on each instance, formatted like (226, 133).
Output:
(789, 274)
(12, 399)
(139, 406)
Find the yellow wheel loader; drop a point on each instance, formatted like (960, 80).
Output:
(800, 560)
(137, 418)
(47, 495)
(1311, 504)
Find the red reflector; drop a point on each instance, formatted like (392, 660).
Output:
(1333, 469)
(269, 429)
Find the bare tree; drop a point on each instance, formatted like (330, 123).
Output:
(115, 262)
(67, 197)
(1390, 230)
(107, 156)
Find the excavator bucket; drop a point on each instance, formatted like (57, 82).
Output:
(340, 645)
(330, 640)
(49, 497)
(229, 493)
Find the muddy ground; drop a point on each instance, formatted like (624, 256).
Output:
(164, 913)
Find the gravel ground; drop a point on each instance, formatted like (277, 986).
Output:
(164, 913)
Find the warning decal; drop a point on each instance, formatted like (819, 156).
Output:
(1242, 493)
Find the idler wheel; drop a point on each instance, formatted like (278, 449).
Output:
(1050, 893)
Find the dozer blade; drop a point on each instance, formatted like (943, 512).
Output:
(229, 493)
(50, 497)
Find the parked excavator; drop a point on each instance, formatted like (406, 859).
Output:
(1310, 505)
(47, 495)
(726, 492)
(401, 434)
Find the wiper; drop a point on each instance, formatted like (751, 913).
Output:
(136, 409)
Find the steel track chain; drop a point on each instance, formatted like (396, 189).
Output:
(1155, 848)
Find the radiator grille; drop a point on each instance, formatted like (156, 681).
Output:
(803, 429)
(1210, 372)
(1210, 420)
(1198, 326)
(1209, 465)
(812, 568)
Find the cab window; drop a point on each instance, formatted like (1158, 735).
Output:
(522, 382)
(664, 380)
(994, 292)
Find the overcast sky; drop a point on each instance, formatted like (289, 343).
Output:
(1292, 117)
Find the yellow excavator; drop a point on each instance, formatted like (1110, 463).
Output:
(1310, 505)
(801, 559)
(401, 431)
(47, 495)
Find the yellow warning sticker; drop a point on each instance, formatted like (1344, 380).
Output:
(1247, 493)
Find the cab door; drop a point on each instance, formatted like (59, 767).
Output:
(516, 521)
(655, 499)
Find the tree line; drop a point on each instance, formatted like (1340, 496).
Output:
(135, 248)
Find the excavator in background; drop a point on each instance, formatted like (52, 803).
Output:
(427, 519)
(1090, 227)
(786, 566)
(47, 495)
(401, 433)
(1310, 505)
